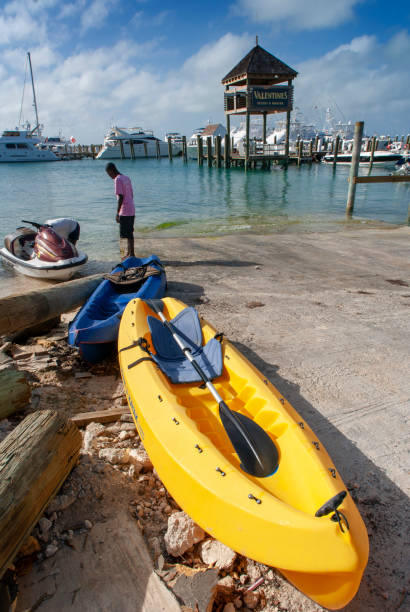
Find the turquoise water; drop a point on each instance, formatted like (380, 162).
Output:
(174, 199)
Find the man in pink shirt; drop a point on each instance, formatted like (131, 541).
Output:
(126, 208)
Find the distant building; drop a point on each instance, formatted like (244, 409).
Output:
(215, 129)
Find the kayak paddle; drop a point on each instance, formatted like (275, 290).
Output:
(258, 454)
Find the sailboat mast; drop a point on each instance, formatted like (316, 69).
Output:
(34, 94)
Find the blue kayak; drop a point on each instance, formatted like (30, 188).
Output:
(94, 330)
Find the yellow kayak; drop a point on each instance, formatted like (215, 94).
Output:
(300, 518)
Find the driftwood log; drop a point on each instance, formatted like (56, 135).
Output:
(14, 390)
(35, 459)
(22, 310)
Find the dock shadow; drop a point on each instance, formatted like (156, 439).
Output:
(227, 263)
(186, 292)
(382, 504)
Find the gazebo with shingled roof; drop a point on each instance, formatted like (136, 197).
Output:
(252, 88)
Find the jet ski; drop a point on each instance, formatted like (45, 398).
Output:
(43, 252)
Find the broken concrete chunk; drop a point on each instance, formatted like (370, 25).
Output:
(139, 458)
(182, 534)
(213, 552)
(92, 431)
(114, 455)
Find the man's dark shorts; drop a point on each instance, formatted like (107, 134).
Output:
(126, 226)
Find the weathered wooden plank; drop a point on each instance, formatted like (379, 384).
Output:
(35, 459)
(22, 310)
(14, 390)
(383, 179)
(99, 416)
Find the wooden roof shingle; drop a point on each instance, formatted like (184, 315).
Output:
(260, 62)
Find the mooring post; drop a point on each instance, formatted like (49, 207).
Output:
(157, 149)
(227, 155)
(209, 151)
(300, 149)
(122, 149)
(336, 150)
(373, 148)
(132, 149)
(218, 151)
(169, 148)
(200, 150)
(354, 166)
(184, 150)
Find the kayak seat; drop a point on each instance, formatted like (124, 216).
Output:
(170, 357)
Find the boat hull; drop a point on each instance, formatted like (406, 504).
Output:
(380, 159)
(94, 330)
(62, 270)
(140, 151)
(183, 435)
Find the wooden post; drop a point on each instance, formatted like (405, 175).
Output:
(209, 151)
(316, 143)
(311, 149)
(264, 127)
(287, 132)
(373, 148)
(200, 150)
(336, 150)
(35, 459)
(14, 390)
(218, 151)
(122, 149)
(226, 151)
(169, 148)
(300, 149)
(21, 310)
(157, 149)
(247, 139)
(132, 149)
(146, 149)
(354, 166)
(184, 149)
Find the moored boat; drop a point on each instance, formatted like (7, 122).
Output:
(380, 158)
(130, 143)
(299, 517)
(94, 330)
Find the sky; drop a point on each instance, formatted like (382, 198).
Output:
(158, 64)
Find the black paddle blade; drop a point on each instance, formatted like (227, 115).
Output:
(256, 450)
(155, 305)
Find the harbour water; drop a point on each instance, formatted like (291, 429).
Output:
(174, 199)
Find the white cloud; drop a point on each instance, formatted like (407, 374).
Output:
(95, 15)
(301, 14)
(364, 79)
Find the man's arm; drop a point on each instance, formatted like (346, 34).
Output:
(120, 198)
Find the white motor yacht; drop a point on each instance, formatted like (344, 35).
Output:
(130, 143)
(22, 146)
(384, 158)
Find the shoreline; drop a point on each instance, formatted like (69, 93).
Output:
(326, 318)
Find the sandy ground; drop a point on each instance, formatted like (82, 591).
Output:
(326, 318)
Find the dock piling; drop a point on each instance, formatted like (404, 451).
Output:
(354, 166)
(169, 149)
(209, 151)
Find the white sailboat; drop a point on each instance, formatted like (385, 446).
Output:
(22, 144)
